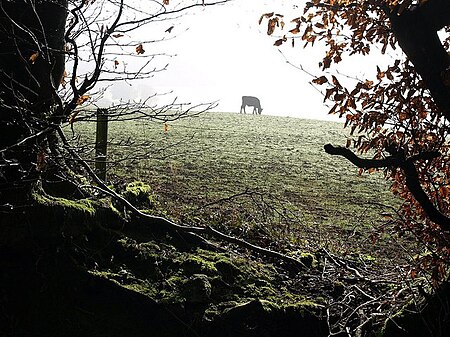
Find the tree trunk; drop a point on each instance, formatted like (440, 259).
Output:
(416, 32)
(31, 67)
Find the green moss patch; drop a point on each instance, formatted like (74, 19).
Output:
(140, 195)
(81, 205)
(216, 280)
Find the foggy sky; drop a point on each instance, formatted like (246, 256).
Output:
(221, 53)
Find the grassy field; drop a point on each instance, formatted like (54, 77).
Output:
(260, 177)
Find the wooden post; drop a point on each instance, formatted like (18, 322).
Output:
(101, 142)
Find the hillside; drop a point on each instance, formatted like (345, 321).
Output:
(91, 266)
(265, 175)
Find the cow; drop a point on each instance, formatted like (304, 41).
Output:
(251, 101)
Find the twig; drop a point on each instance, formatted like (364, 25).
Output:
(342, 264)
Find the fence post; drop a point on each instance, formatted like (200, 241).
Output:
(101, 142)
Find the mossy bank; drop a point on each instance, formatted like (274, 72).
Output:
(78, 268)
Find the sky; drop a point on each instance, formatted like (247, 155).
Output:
(221, 53)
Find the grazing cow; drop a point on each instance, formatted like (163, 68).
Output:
(251, 101)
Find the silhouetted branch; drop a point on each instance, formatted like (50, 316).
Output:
(361, 162)
(412, 178)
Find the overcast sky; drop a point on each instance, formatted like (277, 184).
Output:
(222, 54)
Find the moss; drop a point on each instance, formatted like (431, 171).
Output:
(197, 265)
(214, 285)
(308, 259)
(109, 275)
(260, 290)
(83, 205)
(367, 258)
(197, 289)
(108, 203)
(70, 219)
(223, 265)
(137, 188)
(228, 270)
(256, 307)
(170, 291)
(150, 246)
(141, 287)
(142, 251)
(140, 194)
(304, 306)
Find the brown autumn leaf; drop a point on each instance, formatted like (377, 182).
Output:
(116, 63)
(307, 33)
(34, 57)
(320, 80)
(82, 99)
(328, 93)
(380, 74)
(278, 42)
(326, 63)
(335, 81)
(368, 84)
(140, 49)
(444, 191)
(63, 81)
(389, 75)
(423, 113)
(339, 97)
(402, 116)
(166, 2)
(273, 22)
(117, 35)
(350, 103)
(267, 16)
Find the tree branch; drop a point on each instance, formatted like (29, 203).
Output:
(360, 162)
(411, 176)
